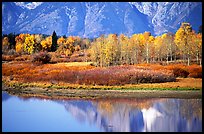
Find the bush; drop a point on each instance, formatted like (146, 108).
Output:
(195, 71)
(179, 72)
(22, 58)
(42, 57)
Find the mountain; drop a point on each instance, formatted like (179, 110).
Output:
(91, 19)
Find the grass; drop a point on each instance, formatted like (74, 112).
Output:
(78, 64)
(49, 91)
(181, 84)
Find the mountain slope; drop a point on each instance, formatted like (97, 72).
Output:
(91, 19)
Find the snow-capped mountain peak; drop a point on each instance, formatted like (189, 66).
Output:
(91, 19)
(28, 5)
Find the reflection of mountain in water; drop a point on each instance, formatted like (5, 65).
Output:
(164, 115)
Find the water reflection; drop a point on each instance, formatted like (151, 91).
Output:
(170, 115)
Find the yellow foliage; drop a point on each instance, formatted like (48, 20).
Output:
(47, 43)
(60, 41)
(29, 44)
(70, 40)
(19, 47)
(77, 48)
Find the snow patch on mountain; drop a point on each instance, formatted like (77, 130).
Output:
(161, 14)
(29, 5)
(94, 16)
(43, 24)
(73, 21)
(128, 23)
(91, 19)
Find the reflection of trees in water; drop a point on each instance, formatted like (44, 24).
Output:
(175, 119)
(191, 108)
(137, 115)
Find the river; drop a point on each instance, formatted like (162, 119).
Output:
(102, 115)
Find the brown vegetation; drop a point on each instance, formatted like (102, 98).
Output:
(86, 74)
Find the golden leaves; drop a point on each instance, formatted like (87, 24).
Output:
(47, 43)
(29, 44)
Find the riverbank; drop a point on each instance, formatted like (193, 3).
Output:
(185, 88)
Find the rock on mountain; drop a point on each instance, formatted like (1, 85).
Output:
(91, 19)
(167, 16)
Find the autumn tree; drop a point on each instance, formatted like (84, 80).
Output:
(77, 48)
(183, 39)
(66, 46)
(38, 38)
(97, 51)
(158, 48)
(123, 43)
(5, 44)
(148, 45)
(60, 41)
(46, 43)
(20, 39)
(85, 43)
(168, 46)
(101, 43)
(136, 42)
(29, 44)
(151, 48)
(110, 50)
(197, 47)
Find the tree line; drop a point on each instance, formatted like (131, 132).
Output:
(184, 45)
(113, 49)
(34, 43)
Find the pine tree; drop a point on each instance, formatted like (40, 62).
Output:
(54, 42)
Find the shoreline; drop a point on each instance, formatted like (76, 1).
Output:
(65, 93)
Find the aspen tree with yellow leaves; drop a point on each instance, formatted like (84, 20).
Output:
(47, 43)
(66, 46)
(29, 44)
(168, 46)
(197, 47)
(158, 48)
(183, 39)
(20, 39)
(123, 42)
(147, 45)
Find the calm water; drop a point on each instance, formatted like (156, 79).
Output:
(34, 114)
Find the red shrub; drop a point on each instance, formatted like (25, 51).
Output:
(179, 72)
(114, 75)
(42, 57)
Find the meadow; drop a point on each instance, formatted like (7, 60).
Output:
(85, 73)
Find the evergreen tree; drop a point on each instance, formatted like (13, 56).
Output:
(12, 41)
(54, 42)
(200, 29)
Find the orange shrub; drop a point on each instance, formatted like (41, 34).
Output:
(87, 74)
(195, 71)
